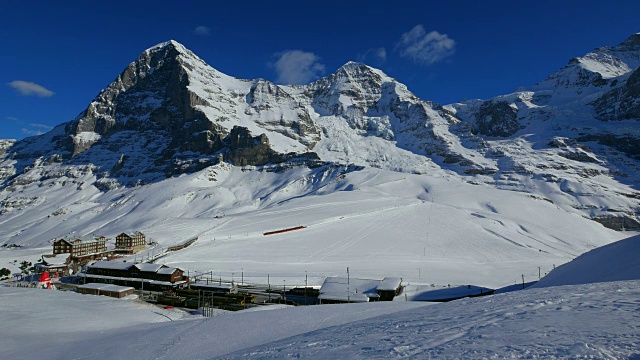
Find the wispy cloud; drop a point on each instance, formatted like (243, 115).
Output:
(378, 55)
(425, 48)
(27, 88)
(11, 118)
(202, 30)
(32, 132)
(41, 126)
(36, 129)
(297, 67)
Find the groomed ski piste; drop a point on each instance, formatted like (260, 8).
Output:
(588, 319)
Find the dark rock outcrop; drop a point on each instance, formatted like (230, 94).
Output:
(497, 119)
(618, 222)
(622, 103)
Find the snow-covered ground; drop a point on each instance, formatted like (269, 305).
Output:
(614, 262)
(407, 189)
(592, 320)
(430, 229)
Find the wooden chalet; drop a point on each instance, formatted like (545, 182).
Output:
(53, 264)
(82, 249)
(147, 276)
(389, 288)
(130, 244)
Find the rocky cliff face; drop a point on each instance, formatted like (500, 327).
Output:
(571, 139)
(622, 103)
(497, 119)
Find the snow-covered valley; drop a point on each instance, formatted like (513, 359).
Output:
(483, 192)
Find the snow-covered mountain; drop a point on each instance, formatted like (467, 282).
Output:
(175, 148)
(577, 129)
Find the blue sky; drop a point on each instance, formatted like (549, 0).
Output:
(57, 55)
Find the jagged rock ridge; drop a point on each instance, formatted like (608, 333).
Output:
(570, 137)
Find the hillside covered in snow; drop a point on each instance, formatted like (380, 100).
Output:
(482, 191)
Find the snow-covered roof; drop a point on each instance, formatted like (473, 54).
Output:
(149, 267)
(140, 280)
(167, 270)
(85, 239)
(343, 289)
(105, 287)
(58, 259)
(114, 265)
(390, 284)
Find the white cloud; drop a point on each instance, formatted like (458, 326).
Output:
(202, 30)
(36, 129)
(296, 67)
(425, 48)
(27, 88)
(32, 132)
(11, 118)
(378, 55)
(41, 126)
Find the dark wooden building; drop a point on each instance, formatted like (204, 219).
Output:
(82, 249)
(147, 276)
(130, 244)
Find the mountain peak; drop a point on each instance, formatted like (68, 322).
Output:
(353, 64)
(632, 43)
(168, 44)
(359, 70)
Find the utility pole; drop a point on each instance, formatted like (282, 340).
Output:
(269, 287)
(539, 277)
(523, 281)
(242, 278)
(305, 287)
(348, 285)
(284, 289)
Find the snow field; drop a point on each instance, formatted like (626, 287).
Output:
(425, 229)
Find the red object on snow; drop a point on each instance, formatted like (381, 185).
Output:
(284, 230)
(45, 277)
(168, 307)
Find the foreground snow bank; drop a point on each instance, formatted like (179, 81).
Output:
(614, 262)
(598, 321)
(581, 321)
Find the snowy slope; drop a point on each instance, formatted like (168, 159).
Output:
(614, 262)
(578, 129)
(432, 229)
(581, 321)
(480, 192)
(124, 329)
